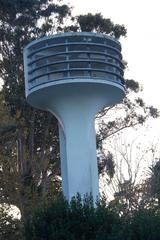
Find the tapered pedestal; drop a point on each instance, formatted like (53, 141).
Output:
(78, 154)
(75, 106)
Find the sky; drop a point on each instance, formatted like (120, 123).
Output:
(141, 47)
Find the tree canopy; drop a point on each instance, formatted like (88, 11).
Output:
(97, 23)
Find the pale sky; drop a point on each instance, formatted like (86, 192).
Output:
(141, 48)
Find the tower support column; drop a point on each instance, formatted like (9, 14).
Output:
(78, 156)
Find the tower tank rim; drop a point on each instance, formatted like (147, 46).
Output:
(69, 34)
(79, 80)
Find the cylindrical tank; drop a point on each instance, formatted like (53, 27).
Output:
(75, 75)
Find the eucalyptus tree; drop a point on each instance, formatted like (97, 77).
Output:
(29, 142)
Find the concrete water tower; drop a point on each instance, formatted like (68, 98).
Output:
(75, 75)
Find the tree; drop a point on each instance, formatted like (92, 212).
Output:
(29, 142)
(97, 23)
(10, 227)
(152, 186)
(132, 186)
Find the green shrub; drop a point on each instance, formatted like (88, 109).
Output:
(145, 225)
(79, 220)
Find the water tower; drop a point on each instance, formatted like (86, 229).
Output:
(74, 76)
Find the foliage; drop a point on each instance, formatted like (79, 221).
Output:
(29, 142)
(97, 23)
(10, 228)
(155, 180)
(81, 220)
(143, 225)
(132, 112)
(77, 220)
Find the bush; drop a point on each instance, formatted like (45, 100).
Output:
(145, 225)
(79, 220)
